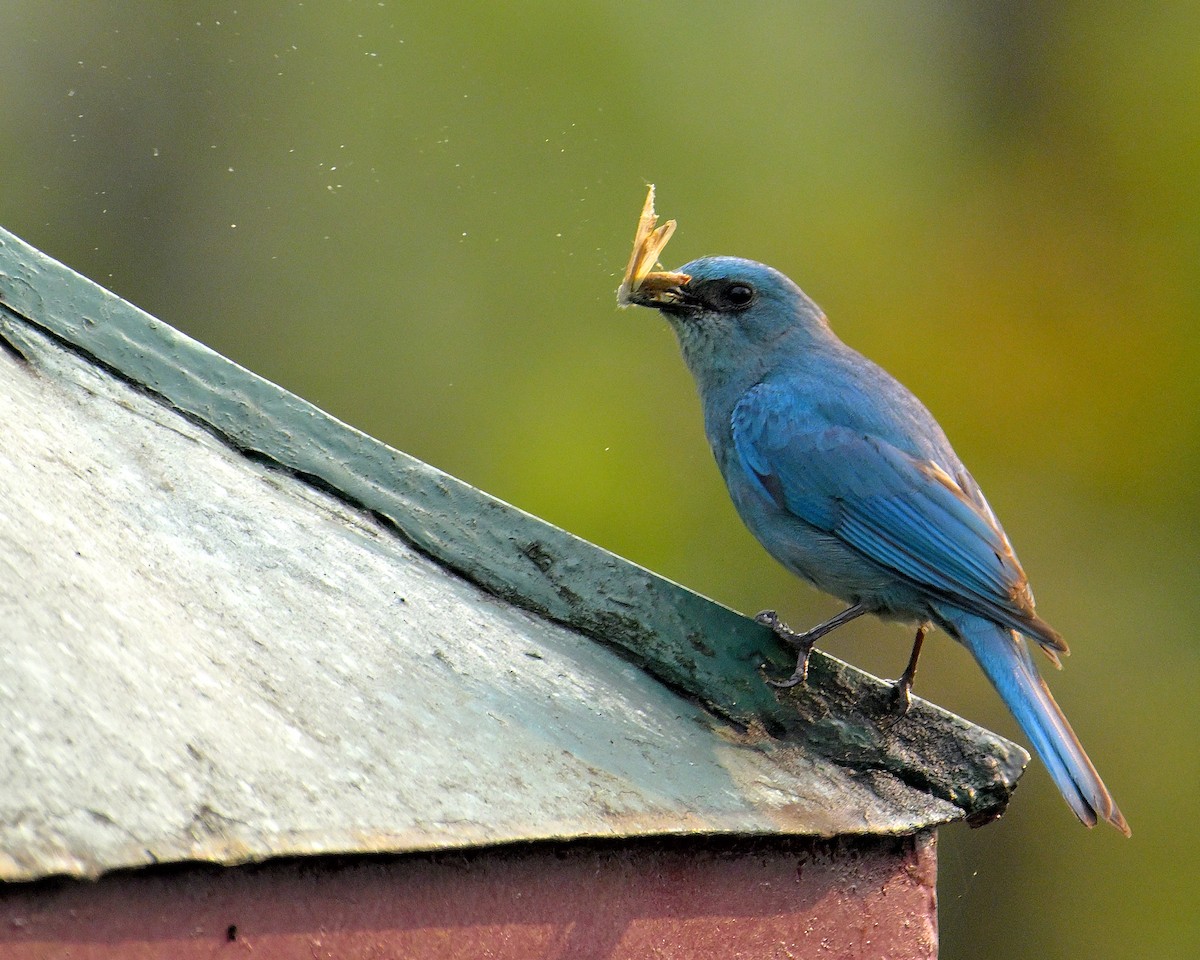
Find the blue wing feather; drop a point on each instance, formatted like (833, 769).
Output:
(903, 512)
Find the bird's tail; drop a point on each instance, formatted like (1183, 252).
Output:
(1004, 657)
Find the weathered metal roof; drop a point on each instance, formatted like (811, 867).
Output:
(232, 628)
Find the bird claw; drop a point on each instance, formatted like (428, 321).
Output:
(902, 688)
(796, 679)
(768, 618)
(803, 642)
(901, 698)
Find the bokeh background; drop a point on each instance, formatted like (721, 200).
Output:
(415, 215)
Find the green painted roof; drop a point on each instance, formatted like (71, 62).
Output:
(236, 628)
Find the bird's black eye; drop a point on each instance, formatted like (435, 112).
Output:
(739, 294)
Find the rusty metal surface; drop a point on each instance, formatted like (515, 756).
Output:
(208, 658)
(858, 899)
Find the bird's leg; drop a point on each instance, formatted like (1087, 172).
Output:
(804, 642)
(902, 691)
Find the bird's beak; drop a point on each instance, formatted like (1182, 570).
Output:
(642, 285)
(658, 289)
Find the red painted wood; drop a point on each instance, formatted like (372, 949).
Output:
(763, 899)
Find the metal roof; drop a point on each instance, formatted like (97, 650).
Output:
(232, 627)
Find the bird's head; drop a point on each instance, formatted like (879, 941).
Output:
(731, 313)
(734, 318)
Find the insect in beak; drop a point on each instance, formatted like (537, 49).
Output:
(642, 284)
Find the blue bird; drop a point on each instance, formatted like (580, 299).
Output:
(848, 481)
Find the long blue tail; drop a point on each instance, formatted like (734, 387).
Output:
(1005, 658)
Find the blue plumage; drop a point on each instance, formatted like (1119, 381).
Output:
(848, 481)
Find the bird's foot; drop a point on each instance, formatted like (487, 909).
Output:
(902, 688)
(802, 642)
(901, 697)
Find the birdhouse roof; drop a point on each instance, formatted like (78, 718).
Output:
(236, 628)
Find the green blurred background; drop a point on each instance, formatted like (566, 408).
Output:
(415, 215)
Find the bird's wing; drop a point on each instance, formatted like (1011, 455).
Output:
(907, 514)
